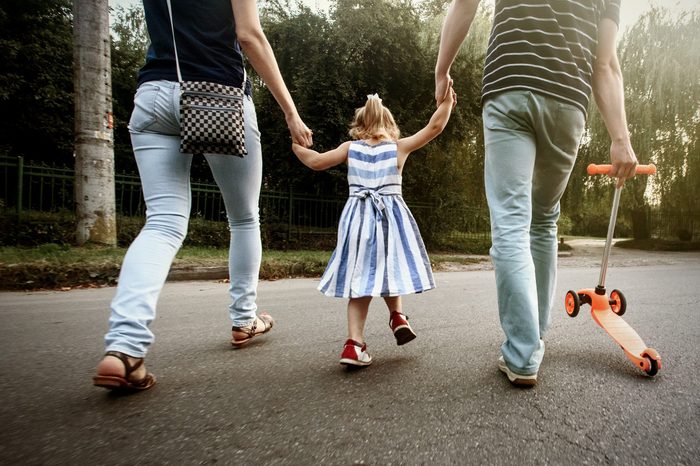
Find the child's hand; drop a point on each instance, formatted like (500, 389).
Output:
(450, 96)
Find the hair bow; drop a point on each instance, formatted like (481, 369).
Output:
(373, 96)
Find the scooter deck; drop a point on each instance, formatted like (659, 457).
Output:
(619, 330)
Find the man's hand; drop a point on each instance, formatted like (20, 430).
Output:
(443, 84)
(624, 161)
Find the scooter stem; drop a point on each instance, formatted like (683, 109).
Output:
(608, 240)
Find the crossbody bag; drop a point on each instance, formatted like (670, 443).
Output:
(211, 114)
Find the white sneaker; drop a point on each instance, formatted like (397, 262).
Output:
(516, 379)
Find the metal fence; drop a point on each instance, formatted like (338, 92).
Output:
(286, 214)
(40, 187)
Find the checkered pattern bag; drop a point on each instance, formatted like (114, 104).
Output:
(211, 114)
(211, 119)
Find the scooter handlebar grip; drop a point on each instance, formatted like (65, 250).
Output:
(604, 169)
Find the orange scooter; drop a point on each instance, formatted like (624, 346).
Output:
(607, 310)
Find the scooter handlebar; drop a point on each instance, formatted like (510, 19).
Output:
(604, 169)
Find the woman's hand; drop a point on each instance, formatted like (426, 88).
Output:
(299, 132)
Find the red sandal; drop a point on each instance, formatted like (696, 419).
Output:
(401, 328)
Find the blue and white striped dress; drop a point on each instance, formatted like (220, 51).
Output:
(380, 251)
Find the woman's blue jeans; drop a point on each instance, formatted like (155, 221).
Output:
(531, 144)
(165, 180)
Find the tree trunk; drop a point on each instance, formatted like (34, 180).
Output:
(94, 139)
(640, 223)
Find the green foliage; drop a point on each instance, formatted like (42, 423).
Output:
(364, 47)
(128, 52)
(36, 79)
(564, 225)
(659, 245)
(662, 97)
(330, 62)
(660, 57)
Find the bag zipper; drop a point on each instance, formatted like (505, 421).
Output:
(210, 107)
(212, 95)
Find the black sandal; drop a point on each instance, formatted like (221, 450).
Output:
(115, 382)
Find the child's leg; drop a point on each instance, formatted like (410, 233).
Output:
(399, 322)
(357, 315)
(393, 303)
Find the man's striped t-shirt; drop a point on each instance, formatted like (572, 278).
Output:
(547, 46)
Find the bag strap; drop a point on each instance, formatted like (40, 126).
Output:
(177, 60)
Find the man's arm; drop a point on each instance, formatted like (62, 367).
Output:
(610, 99)
(256, 47)
(454, 30)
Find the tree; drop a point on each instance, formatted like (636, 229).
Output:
(36, 80)
(94, 147)
(662, 97)
(129, 44)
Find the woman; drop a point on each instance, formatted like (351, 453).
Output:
(211, 37)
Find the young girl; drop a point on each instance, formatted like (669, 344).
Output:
(379, 251)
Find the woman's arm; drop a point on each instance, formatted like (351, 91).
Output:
(316, 161)
(437, 123)
(256, 47)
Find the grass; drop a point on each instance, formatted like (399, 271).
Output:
(56, 266)
(655, 244)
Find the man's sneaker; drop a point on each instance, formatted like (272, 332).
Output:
(401, 328)
(518, 380)
(355, 354)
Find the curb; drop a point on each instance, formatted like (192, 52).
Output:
(198, 273)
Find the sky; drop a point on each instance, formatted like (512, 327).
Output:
(630, 10)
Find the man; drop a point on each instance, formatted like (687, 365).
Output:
(543, 60)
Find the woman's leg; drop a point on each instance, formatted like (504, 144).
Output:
(239, 180)
(165, 181)
(357, 316)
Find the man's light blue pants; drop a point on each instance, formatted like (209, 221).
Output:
(531, 143)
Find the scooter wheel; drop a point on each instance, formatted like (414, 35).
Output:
(653, 367)
(618, 303)
(572, 303)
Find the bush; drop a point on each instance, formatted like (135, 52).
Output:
(35, 228)
(58, 228)
(564, 225)
(685, 234)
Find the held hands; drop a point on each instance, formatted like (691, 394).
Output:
(299, 132)
(443, 86)
(624, 161)
(451, 96)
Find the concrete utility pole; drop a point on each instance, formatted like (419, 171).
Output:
(94, 138)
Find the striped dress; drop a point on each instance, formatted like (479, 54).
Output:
(380, 251)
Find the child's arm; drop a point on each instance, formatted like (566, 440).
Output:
(437, 123)
(316, 161)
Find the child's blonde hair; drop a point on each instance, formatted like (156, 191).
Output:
(374, 120)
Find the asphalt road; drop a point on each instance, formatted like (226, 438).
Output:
(286, 400)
